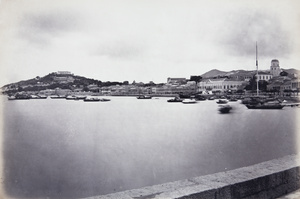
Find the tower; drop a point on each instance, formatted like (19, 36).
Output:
(275, 68)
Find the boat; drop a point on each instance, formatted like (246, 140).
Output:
(211, 98)
(290, 104)
(91, 99)
(175, 99)
(104, 100)
(221, 101)
(224, 108)
(200, 97)
(22, 97)
(42, 96)
(80, 97)
(144, 97)
(58, 97)
(38, 97)
(189, 101)
(11, 97)
(233, 99)
(70, 97)
(34, 97)
(266, 105)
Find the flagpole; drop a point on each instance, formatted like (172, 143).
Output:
(257, 89)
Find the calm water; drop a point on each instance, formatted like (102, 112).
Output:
(61, 148)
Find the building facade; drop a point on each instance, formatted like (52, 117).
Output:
(264, 76)
(221, 85)
(275, 68)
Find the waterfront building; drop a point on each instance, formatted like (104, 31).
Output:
(168, 89)
(47, 92)
(275, 68)
(280, 83)
(295, 84)
(220, 85)
(59, 91)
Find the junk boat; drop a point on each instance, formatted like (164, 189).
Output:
(175, 99)
(189, 101)
(224, 108)
(266, 105)
(220, 101)
(144, 97)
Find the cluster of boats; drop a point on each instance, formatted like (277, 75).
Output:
(68, 97)
(253, 102)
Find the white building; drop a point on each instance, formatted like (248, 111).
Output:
(263, 76)
(222, 85)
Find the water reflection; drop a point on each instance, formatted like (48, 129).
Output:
(71, 149)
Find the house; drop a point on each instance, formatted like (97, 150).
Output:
(263, 76)
(221, 84)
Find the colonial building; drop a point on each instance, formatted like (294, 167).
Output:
(222, 84)
(64, 73)
(275, 68)
(295, 84)
(264, 76)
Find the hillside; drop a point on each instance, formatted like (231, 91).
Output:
(55, 80)
(292, 71)
(213, 73)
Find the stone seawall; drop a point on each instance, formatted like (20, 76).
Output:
(269, 179)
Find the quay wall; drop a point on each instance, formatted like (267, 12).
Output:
(270, 179)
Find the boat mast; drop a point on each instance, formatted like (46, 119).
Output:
(257, 89)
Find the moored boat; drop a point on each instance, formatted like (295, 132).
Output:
(92, 99)
(144, 97)
(42, 96)
(221, 101)
(11, 97)
(58, 97)
(70, 97)
(267, 105)
(233, 99)
(189, 101)
(211, 98)
(200, 97)
(104, 100)
(80, 97)
(175, 99)
(224, 108)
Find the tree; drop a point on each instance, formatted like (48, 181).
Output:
(283, 73)
(195, 78)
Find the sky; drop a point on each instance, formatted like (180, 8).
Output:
(145, 40)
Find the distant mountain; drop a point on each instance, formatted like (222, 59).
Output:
(217, 73)
(213, 73)
(239, 72)
(292, 71)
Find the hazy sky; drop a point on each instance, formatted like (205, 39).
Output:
(144, 40)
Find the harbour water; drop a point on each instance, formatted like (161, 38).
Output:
(59, 148)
